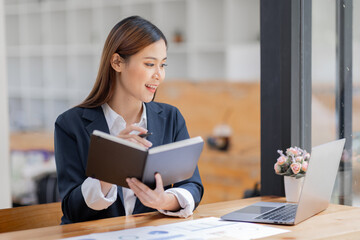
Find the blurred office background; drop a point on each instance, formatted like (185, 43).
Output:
(53, 49)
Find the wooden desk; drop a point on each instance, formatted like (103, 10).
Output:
(30, 217)
(336, 222)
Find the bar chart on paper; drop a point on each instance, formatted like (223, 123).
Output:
(205, 228)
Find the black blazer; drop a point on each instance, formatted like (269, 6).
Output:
(72, 137)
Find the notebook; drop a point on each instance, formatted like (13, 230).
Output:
(112, 159)
(315, 194)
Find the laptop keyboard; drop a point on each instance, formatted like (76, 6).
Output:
(284, 213)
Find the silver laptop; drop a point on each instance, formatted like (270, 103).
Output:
(315, 194)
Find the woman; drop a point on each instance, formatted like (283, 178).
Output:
(120, 103)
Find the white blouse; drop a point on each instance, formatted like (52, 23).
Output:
(91, 189)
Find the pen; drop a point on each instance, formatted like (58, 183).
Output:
(143, 135)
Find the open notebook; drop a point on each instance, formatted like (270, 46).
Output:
(113, 159)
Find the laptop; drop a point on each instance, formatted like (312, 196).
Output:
(315, 193)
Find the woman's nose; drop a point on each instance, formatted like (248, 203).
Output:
(157, 74)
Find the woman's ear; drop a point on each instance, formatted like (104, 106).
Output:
(117, 62)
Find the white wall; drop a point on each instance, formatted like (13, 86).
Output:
(243, 62)
(5, 199)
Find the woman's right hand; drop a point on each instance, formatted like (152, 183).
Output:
(125, 134)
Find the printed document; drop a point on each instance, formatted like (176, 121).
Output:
(204, 228)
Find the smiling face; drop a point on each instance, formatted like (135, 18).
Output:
(143, 72)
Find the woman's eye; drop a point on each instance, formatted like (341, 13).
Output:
(163, 65)
(149, 64)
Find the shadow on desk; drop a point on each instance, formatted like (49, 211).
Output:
(28, 217)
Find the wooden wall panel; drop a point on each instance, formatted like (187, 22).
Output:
(226, 175)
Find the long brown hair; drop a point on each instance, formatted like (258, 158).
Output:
(127, 38)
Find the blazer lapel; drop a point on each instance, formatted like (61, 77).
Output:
(98, 122)
(155, 124)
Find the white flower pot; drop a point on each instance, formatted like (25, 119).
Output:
(293, 188)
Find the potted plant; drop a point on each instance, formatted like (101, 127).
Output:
(293, 165)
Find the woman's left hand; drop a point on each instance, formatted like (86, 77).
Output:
(157, 198)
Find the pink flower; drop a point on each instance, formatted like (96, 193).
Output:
(304, 166)
(295, 167)
(299, 159)
(292, 151)
(294, 158)
(277, 168)
(281, 160)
